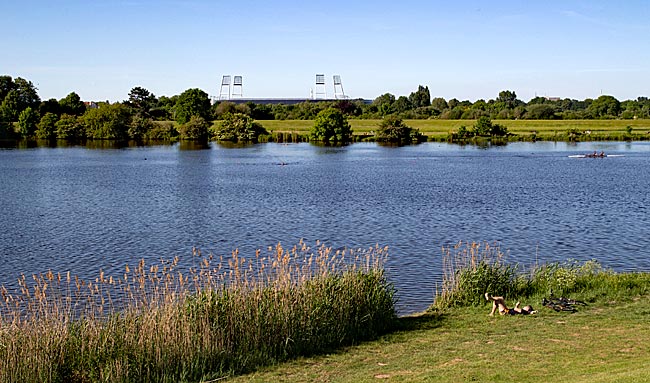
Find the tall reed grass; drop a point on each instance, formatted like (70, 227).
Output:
(470, 269)
(218, 317)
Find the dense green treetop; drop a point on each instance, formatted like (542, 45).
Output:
(108, 121)
(72, 104)
(27, 122)
(142, 101)
(605, 106)
(192, 102)
(239, 127)
(421, 97)
(196, 129)
(393, 129)
(331, 126)
(46, 128)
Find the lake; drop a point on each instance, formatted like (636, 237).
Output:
(81, 210)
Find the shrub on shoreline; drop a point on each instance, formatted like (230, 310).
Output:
(470, 269)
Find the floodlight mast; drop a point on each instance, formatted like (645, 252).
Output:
(338, 88)
(224, 94)
(320, 89)
(237, 87)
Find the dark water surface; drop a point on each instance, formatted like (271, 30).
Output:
(83, 209)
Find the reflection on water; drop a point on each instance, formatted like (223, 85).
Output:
(81, 209)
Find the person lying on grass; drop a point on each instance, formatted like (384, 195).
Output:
(500, 303)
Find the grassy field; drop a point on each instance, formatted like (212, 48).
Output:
(439, 129)
(457, 341)
(606, 342)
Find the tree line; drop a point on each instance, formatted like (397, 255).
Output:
(420, 105)
(191, 115)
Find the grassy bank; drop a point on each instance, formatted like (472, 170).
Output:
(305, 315)
(220, 317)
(527, 130)
(604, 341)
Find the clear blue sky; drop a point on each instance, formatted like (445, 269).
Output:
(459, 49)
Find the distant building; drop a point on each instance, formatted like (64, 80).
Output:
(553, 98)
(91, 105)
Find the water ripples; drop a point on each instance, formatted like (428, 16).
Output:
(83, 210)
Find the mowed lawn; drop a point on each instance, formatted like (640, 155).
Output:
(605, 342)
(441, 128)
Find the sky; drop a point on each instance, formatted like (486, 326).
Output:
(467, 50)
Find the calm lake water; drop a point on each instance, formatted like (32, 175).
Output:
(83, 209)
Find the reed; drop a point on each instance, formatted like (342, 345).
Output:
(218, 316)
(470, 269)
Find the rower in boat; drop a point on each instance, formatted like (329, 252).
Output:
(595, 154)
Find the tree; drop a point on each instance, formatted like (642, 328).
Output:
(194, 129)
(226, 107)
(72, 105)
(49, 106)
(402, 104)
(260, 111)
(485, 127)
(604, 106)
(6, 128)
(331, 126)
(393, 129)
(108, 122)
(11, 106)
(192, 102)
(46, 128)
(27, 94)
(508, 97)
(540, 112)
(164, 108)
(439, 104)
(142, 101)
(421, 97)
(348, 107)
(6, 84)
(69, 128)
(27, 122)
(464, 133)
(384, 103)
(139, 127)
(162, 130)
(239, 127)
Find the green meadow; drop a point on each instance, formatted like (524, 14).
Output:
(438, 130)
(606, 340)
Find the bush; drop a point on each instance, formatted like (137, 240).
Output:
(393, 129)
(139, 127)
(331, 126)
(162, 130)
(195, 129)
(485, 127)
(27, 121)
(46, 128)
(472, 269)
(238, 127)
(108, 122)
(68, 127)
